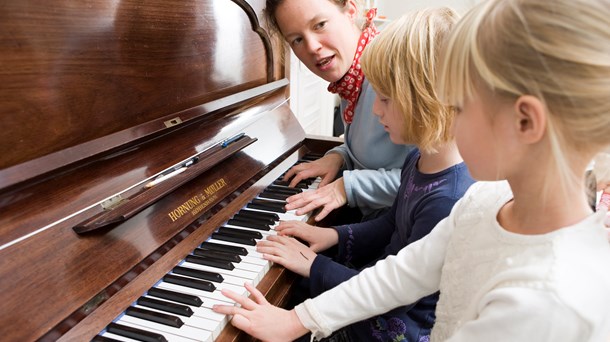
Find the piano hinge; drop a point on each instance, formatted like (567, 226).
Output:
(173, 122)
(94, 302)
(113, 202)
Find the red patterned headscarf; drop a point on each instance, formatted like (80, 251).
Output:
(349, 86)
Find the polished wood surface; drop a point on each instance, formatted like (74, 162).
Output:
(127, 66)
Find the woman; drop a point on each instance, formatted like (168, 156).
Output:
(325, 36)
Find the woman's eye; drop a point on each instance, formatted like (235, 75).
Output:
(296, 41)
(320, 25)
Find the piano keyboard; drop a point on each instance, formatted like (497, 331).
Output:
(178, 307)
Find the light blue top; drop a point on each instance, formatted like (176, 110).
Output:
(372, 161)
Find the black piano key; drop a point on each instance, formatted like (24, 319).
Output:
(200, 274)
(236, 239)
(249, 224)
(176, 308)
(225, 265)
(273, 195)
(135, 333)
(284, 189)
(153, 316)
(190, 282)
(224, 248)
(175, 296)
(266, 207)
(241, 232)
(99, 338)
(311, 156)
(259, 220)
(268, 202)
(254, 213)
(232, 257)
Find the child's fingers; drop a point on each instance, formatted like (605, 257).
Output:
(256, 294)
(244, 301)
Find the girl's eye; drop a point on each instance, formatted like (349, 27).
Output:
(456, 109)
(384, 99)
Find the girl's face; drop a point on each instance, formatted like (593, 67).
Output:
(483, 139)
(322, 35)
(390, 117)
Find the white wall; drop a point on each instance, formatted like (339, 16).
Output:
(392, 9)
(312, 104)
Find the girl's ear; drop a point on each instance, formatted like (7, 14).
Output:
(530, 119)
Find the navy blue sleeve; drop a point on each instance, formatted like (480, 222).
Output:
(361, 243)
(326, 274)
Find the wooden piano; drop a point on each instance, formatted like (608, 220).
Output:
(99, 99)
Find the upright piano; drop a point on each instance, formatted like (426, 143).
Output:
(136, 134)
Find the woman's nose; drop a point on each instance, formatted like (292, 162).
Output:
(313, 45)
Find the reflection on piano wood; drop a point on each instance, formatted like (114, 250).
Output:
(101, 99)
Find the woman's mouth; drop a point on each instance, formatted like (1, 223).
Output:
(324, 63)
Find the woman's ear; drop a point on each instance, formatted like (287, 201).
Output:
(352, 9)
(531, 119)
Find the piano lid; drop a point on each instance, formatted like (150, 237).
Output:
(83, 78)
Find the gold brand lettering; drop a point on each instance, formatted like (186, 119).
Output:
(184, 208)
(212, 189)
(198, 203)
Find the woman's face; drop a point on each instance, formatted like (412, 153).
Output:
(322, 35)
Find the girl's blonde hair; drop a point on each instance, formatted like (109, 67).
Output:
(557, 51)
(401, 63)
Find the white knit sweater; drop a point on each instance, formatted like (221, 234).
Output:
(495, 285)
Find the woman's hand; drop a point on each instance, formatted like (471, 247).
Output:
(287, 252)
(318, 238)
(329, 197)
(326, 167)
(260, 319)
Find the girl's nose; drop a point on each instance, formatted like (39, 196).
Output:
(377, 107)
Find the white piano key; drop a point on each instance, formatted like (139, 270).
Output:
(257, 261)
(117, 337)
(249, 266)
(193, 321)
(263, 232)
(183, 334)
(230, 276)
(200, 311)
(251, 249)
(205, 310)
(199, 293)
